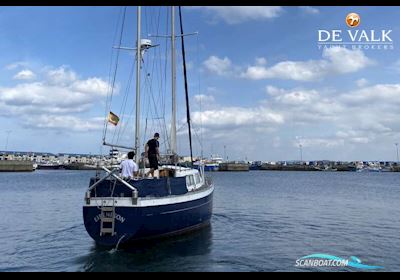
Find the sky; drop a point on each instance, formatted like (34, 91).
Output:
(260, 86)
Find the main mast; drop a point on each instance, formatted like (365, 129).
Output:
(138, 62)
(173, 84)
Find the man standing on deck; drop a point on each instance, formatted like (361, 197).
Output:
(152, 152)
(129, 168)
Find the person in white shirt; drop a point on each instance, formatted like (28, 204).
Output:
(129, 168)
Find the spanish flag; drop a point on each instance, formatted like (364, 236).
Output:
(113, 118)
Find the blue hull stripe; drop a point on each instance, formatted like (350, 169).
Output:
(185, 209)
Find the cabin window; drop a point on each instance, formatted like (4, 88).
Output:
(190, 180)
(197, 179)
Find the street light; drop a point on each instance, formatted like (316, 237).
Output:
(301, 152)
(8, 135)
(224, 152)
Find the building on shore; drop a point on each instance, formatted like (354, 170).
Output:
(61, 158)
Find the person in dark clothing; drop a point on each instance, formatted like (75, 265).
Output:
(152, 152)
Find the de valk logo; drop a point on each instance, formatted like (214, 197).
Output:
(353, 20)
(354, 37)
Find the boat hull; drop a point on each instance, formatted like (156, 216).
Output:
(211, 167)
(49, 167)
(137, 223)
(208, 167)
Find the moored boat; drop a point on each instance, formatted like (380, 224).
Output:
(49, 165)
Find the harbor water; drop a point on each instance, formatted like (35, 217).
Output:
(262, 221)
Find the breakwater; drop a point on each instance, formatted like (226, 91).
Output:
(231, 166)
(16, 166)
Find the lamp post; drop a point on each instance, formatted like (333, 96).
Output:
(8, 135)
(224, 152)
(301, 153)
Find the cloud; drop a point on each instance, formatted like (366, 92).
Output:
(367, 112)
(204, 99)
(386, 95)
(309, 10)
(54, 100)
(303, 106)
(328, 121)
(38, 97)
(61, 76)
(261, 61)
(294, 97)
(321, 142)
(290, 70)
(95, 86)
(335, 61)
(212, 90)
(356, 137)
(241, 129)
(64, 122)
(236, 117)
(24, 75)
(216, 65)
(344, 61)
(395, 66)
(362, 82)
(239, 14)
(16, 65)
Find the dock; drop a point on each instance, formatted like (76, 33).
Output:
(395, 169)
(233, 166)
(80, 166)
(288, 167)
(16, 166)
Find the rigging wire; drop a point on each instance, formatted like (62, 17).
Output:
(109, 81)
(155, 104)
(199, 92)
(108, 106)
(195, 129)
(150, 68)
(186, 86)
(154, 86)
(123, 105)
(165, 78)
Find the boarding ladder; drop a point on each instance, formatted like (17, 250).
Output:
(107, 219)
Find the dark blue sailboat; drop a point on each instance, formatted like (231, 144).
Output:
(118, 211)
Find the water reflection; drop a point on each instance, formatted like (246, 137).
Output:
(171, 254)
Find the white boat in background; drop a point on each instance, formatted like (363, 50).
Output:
(368, 167)
(211, 164)
(49, 165)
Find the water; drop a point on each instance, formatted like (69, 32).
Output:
(262, 221)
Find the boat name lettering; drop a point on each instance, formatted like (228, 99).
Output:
(120, 218)
(117, 217)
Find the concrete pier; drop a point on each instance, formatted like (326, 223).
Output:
(233, 166)
(288, 167)
(16, 166)
(395, 169)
